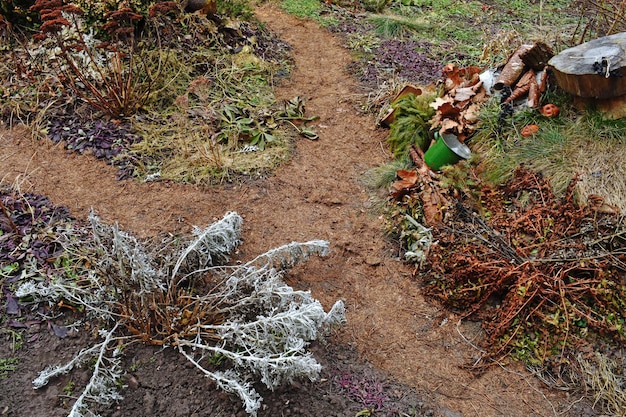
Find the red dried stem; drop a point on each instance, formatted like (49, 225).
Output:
(529, 257)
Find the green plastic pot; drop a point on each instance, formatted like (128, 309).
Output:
(447, 150)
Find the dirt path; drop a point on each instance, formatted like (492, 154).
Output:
(317, 195)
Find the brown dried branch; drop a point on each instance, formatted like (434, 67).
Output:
(532, 268)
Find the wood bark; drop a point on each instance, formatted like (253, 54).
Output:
(537, 56)
(513, 69)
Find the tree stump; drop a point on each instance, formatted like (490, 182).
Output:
(593, 69)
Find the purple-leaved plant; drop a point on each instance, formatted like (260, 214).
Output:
(370, 394)
(105, 139)
(32, 237)
(402, 59)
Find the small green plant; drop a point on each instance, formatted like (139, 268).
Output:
(216, 359)
(411, 126)
(238, 124)
(10, 269)
(7, 365)
(16, 339)
(68, 389)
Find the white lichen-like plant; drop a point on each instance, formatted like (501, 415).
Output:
(181, 295)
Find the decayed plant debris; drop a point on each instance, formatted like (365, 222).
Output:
(542, 273)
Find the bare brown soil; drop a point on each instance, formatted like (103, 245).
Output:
(393, 334)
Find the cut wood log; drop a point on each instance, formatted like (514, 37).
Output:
(537, 56)
(513, 69)
(593, 69)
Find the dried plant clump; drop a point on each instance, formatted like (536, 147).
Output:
(110, 76)
(541, 273)
(183, 296)
(605, 378)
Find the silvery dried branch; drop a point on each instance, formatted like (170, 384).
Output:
(248, 316)
(210, 246)
(125, 260)
(103, 385)
(273, 346)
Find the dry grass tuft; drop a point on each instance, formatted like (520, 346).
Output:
(602, 169)
(605, 379)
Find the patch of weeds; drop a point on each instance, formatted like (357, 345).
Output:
(235, 9)
(309, 9)
(363, 43)
(560, 149)
(244, 124)
(375, 6)
(400, 59)
(603, 128)
(222, 124)
(400, 218)
(381, 177)
(606, 379)
(7, 365)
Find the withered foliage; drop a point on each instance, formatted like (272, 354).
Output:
(541, 273)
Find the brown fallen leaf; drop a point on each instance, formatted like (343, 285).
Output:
(408, 180)
(471, 115)
(463, 93)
